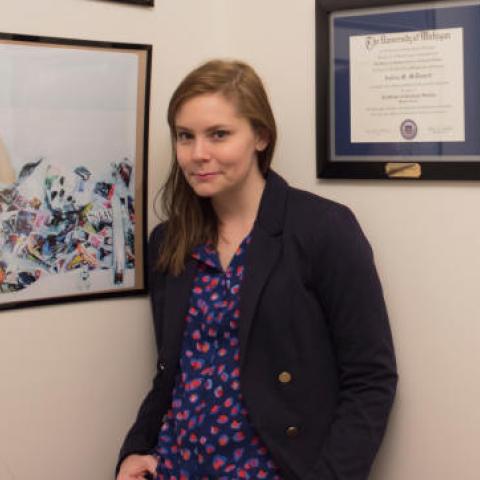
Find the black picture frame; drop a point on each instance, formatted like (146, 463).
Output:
(146, 3)
(411, 162)
(74, 119)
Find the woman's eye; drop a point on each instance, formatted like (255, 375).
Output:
(183, 136)
(220, 134)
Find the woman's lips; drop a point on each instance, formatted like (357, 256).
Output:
(205, 176)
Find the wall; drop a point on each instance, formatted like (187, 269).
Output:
(72, 375)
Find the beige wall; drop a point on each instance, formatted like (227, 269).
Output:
(71, 376)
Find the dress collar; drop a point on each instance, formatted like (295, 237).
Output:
(208, 255)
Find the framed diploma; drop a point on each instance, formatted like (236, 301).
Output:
(400, 97)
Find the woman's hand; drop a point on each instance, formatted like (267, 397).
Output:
(135, 467)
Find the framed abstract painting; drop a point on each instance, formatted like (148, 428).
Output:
(73, 163)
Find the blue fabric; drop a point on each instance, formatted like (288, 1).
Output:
(206, 433)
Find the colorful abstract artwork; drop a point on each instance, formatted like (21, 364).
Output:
(73, 136)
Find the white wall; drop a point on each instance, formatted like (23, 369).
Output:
(72, 375)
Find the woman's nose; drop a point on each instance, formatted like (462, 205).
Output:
(200, 150)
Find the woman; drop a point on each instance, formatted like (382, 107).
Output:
(275, 353)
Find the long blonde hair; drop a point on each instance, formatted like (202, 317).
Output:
(191, 219)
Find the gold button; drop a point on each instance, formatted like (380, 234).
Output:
(292, 432)
(285, 377)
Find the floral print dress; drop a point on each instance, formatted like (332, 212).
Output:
(206, 434)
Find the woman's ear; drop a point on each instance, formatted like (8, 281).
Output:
(263, 139)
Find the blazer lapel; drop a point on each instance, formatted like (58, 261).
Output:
(177, 296)
(263, 253)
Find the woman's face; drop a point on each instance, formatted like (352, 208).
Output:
(216, 148)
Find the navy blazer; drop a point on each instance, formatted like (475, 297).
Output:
(317, 365)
